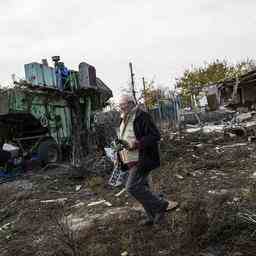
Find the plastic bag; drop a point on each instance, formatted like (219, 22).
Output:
(118, 176)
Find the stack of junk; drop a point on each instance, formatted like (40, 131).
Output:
(36, 119)
(60, 77)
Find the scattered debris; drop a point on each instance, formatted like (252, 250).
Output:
(164, 252)
(78, 205)
(199, 145)
(254, 175)
(219, 193)
(100, 202)
(251, 139)
(108, 204)
(172, 205)
(5, 227)
(242, 125)
(207, 129)
(235, 145)
(78, 187)
(120, 193)
(179, 176)
(231, 135)
(210, 187)
(59, 200)
(96, 203)
(248, 216)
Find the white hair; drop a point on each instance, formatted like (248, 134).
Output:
(127, 97)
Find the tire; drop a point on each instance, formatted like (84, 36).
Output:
(48, 152)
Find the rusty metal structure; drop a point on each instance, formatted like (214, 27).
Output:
(62, 100)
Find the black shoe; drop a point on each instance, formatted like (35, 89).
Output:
(160, 216)
(146, 222)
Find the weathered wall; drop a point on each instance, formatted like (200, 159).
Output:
(249, 93)
(4, 105)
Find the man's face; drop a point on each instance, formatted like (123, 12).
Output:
(125, 105)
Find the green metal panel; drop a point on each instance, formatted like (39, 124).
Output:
(57, 115)
(73, 79)
(61, 123)
(53, 111)
(16, 101)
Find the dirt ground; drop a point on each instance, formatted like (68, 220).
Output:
(213, 179)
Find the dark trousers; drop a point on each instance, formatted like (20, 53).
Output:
(138, 186)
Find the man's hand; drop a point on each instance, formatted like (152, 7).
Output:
(131, 145)
(123, 143)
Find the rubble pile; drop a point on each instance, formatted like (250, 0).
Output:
(211, 177)
(243, 124)
(196, 118)
(201, 172)
(105, 127)
(93, 164)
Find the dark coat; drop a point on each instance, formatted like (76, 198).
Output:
(148, 136)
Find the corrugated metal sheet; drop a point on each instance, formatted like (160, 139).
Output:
(40, 75)
(49, 76)
(87, 75)
(34, 74)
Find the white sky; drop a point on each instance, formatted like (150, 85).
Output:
(162, 38)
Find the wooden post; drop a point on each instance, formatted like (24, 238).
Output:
(132, 81)
(235, 87)
(77, 149)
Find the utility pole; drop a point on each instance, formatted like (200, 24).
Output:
(144, 92)
(132, 80)
(144, 87)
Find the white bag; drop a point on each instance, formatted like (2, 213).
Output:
(110, 153)
(118, 176)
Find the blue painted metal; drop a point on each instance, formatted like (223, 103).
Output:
(40, 75)
(62, 74)
(34, 74)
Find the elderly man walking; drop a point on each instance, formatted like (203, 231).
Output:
(140, 136)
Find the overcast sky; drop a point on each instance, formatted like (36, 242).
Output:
(162, 38)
